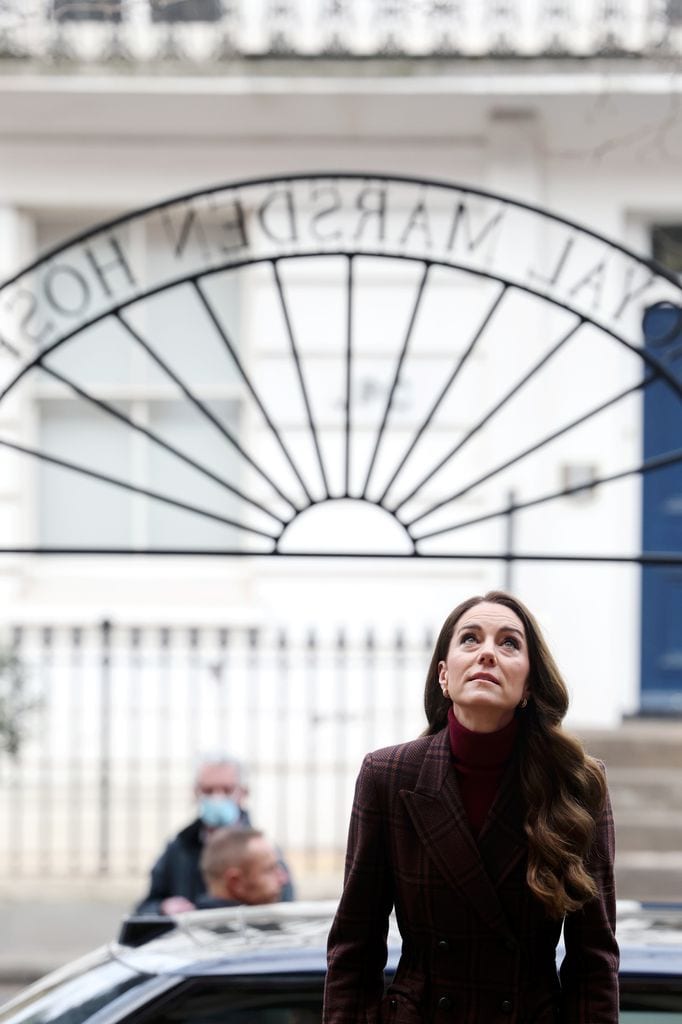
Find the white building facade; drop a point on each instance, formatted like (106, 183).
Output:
(109, 108)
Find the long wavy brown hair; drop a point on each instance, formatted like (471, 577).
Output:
(563, 788)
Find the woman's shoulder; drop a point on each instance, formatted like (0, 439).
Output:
(402, 757)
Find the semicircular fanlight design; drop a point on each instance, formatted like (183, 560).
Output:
(337, 365)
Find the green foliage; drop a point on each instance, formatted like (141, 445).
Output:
(14, 705)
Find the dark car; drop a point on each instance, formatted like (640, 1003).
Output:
(265, 965)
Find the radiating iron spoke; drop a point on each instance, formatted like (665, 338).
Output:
(251, 389)
(533, 448)
(204, 409)
(650, 466)
(349, 379)
(448, 384)
(396, 376)
(489, 415)
(133, 488)
(146, 432)
(301, 378)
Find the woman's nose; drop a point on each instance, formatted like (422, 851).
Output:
(486, 653)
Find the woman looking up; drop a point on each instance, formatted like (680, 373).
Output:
(487, 834)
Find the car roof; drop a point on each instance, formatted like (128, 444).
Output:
(285, 937)
(276, 937)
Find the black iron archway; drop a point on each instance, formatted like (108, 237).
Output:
(432, 354)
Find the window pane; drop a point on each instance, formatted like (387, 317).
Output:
(186, 10)
(235, 1006)
(76, 999)
(86, 10)
(104, 356)
(650, 1017)
(673, 10)
(75, 510)
(103, 353)
(182, 425)
(667, 246)
(180, 332)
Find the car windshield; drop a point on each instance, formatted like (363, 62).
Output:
(71, 997)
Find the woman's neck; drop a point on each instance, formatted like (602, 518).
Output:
(482, 719)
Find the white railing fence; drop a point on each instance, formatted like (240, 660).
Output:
(118, 715)
(204, 32)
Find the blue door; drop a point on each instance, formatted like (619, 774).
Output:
(661, 670)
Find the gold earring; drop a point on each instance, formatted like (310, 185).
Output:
(524, 703)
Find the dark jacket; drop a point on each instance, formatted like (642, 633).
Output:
(206, 902)
(478, 947)
(177, 872)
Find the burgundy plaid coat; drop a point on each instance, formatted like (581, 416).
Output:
(478, 947)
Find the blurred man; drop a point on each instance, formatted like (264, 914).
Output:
(240, 865)
(176, 881)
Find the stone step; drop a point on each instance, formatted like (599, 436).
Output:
(645, 875)
(657, 831)
(638, 743)
(644, 765)
(643, 789)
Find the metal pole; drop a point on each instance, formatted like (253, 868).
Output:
(509, 543)
(105, 750)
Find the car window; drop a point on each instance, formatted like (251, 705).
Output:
(651, 1002)
(255, 1004)
(275, 1014)
(650, 1017)
(75, 999)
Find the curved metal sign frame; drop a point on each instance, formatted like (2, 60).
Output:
(427, 229)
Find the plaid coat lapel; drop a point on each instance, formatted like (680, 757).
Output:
(502, 841)
(438, 815)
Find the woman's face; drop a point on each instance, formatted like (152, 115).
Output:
(485, 674)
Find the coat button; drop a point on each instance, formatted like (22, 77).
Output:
(445, 1003)
(443, 946)
(506, 1006)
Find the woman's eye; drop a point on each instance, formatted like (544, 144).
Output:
(510, 641)
(469, 638)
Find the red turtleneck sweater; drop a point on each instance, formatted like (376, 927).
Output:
(480, 761)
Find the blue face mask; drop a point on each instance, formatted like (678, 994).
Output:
(218, 811)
